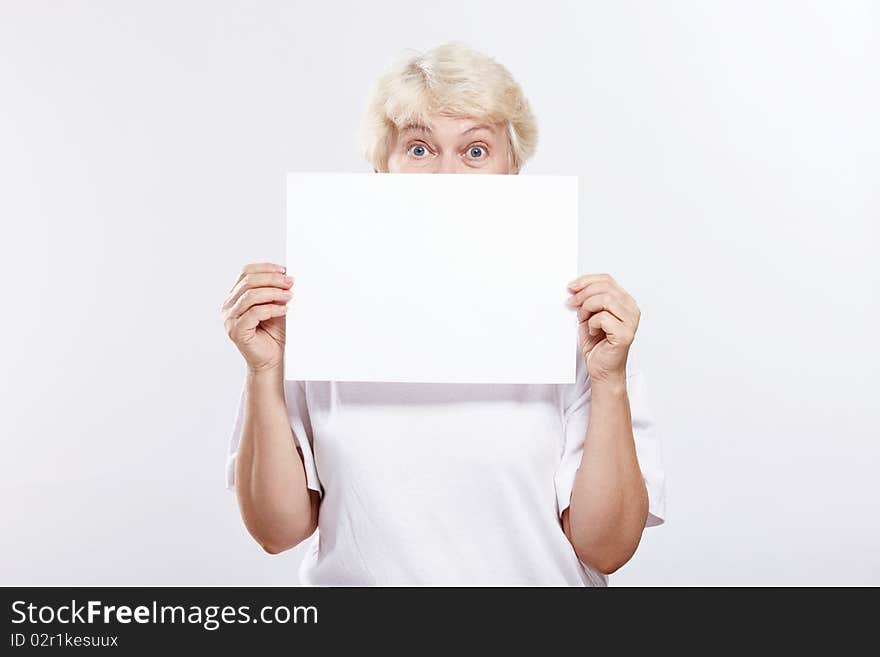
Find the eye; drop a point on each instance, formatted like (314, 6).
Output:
(476, 152)
(418, 150)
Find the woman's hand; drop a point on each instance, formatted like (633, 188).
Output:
(254, 314)
(608, 318)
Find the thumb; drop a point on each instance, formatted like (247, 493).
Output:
(589, 341)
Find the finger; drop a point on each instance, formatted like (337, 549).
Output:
(588, 341)
(257, 296)
(601, 302)
(631, 313)
(624, 306)
(616, 332)
(604, 283)
(598, 287)
(258, 268)
(582, 281)
(251, 281)
(256, 314)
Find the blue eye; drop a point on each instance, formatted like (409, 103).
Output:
(418, 150)
(476, 152)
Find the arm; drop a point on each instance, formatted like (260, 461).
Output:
(276, 505)
(609, 500)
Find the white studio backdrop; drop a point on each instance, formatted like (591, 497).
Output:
(729, 161)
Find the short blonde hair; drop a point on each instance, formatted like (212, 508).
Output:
(453, 80)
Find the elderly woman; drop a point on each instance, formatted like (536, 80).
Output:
(446, 484)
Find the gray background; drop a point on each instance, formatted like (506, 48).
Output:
(728, 156)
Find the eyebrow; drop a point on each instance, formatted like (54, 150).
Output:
(419, 127)
(482, 126)
(415, 127)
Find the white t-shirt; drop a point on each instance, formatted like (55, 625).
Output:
(449, 484)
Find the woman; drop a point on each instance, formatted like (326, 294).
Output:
(440, 483)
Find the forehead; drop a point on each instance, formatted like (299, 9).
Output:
(450, 125)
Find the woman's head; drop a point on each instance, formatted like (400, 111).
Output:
(448, 110)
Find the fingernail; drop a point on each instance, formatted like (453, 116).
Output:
(288, 279)
(283, 270)
(286, 294)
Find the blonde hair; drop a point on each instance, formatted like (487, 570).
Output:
(453, 80)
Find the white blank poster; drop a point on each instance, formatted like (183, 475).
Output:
(443, 278)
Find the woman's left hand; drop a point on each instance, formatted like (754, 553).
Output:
(608, 318)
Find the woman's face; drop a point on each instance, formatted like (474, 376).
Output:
(450, 145)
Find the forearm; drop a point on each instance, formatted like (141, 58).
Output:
(609, 502)
(275, 502)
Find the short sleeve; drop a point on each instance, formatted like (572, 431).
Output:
(576, 415)
(298, 415)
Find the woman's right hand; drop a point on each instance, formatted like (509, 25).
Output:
(254, 314)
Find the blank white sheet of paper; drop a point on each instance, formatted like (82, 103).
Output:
(443, 278)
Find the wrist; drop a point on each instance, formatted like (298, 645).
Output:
(266, 377)
(608, 385)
